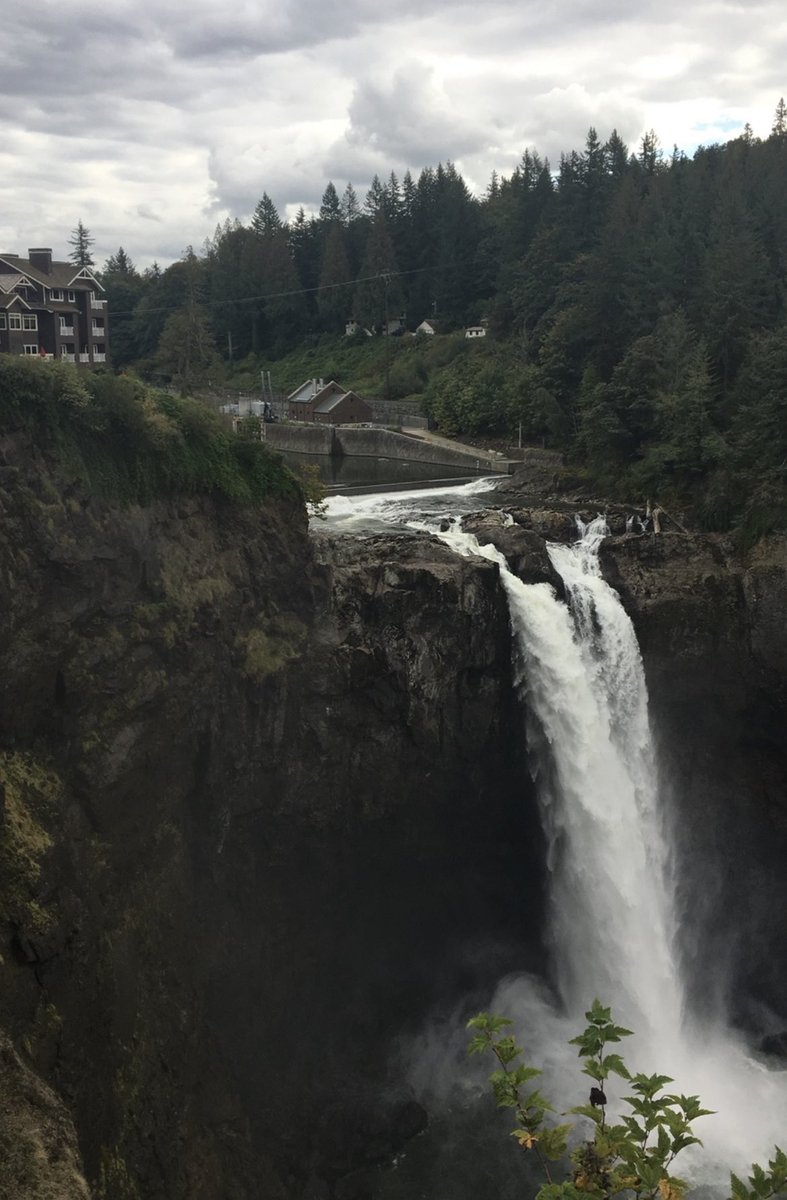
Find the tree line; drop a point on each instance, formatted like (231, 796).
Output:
(635, 302)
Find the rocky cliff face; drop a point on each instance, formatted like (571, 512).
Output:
(263, 806)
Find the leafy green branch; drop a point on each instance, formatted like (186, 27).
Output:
(632, 1157)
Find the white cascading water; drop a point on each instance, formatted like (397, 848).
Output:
(612, 923)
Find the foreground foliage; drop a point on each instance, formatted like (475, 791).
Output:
(631, 1158)
(131, 444)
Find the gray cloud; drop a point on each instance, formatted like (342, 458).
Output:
(153, 123)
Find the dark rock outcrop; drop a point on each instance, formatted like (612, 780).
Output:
(524, 549)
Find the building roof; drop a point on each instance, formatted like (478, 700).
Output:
(9, 282)
(62, 275)
(330, 402)
(12, 298)
(312, 389)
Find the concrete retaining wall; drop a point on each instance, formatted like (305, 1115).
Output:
(303, 439)
(381, 443)
(356, 442)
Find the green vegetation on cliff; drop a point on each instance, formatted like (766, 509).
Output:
(131, 444)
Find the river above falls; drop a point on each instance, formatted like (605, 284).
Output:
(383, 511)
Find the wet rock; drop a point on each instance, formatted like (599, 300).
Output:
(524, 549)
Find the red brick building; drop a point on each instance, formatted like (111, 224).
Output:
(52, 309)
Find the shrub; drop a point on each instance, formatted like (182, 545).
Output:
(632, 1158)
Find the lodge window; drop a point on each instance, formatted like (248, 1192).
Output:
(72, 297)
(32, 349)
(30, 322)
(56, 294)
(2, 321)
(14, 320)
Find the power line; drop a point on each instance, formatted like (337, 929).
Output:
(323, 287)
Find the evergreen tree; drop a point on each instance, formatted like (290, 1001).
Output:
(779, 127)
(378, 296)
(335, 298)
(330, 207)
(304, 248)
(375, 201)
(81, 241)
(350, 206)
(266, 220)
(650, 152)
(119, 264)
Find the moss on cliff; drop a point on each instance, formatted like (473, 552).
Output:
(271, 645)
(28, 791)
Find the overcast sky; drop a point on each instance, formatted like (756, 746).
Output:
(152, 122)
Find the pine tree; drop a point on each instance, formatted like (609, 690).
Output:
(81, 241)
(779, 128)
(330, 206)
(351, 208)
(375, 201)
(335, 298)
(266, 219)
(119, 264)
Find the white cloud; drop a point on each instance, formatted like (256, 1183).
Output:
(155, 122)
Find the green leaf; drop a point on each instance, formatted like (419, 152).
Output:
(613, 1062)
(587, 1110)
(553, 1142)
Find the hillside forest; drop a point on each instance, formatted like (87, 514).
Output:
(634, 302)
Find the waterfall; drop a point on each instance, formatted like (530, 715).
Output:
(612, 924)
(613, 929)
(580, 672)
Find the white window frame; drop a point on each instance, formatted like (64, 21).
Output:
(14, 320)
(30, 322)
(31, 349)
(71, 296)
(57, 294)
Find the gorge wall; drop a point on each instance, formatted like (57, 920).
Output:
(261, 811)
(265, 807)
(710, 622)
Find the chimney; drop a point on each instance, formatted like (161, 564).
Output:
(41, 259)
